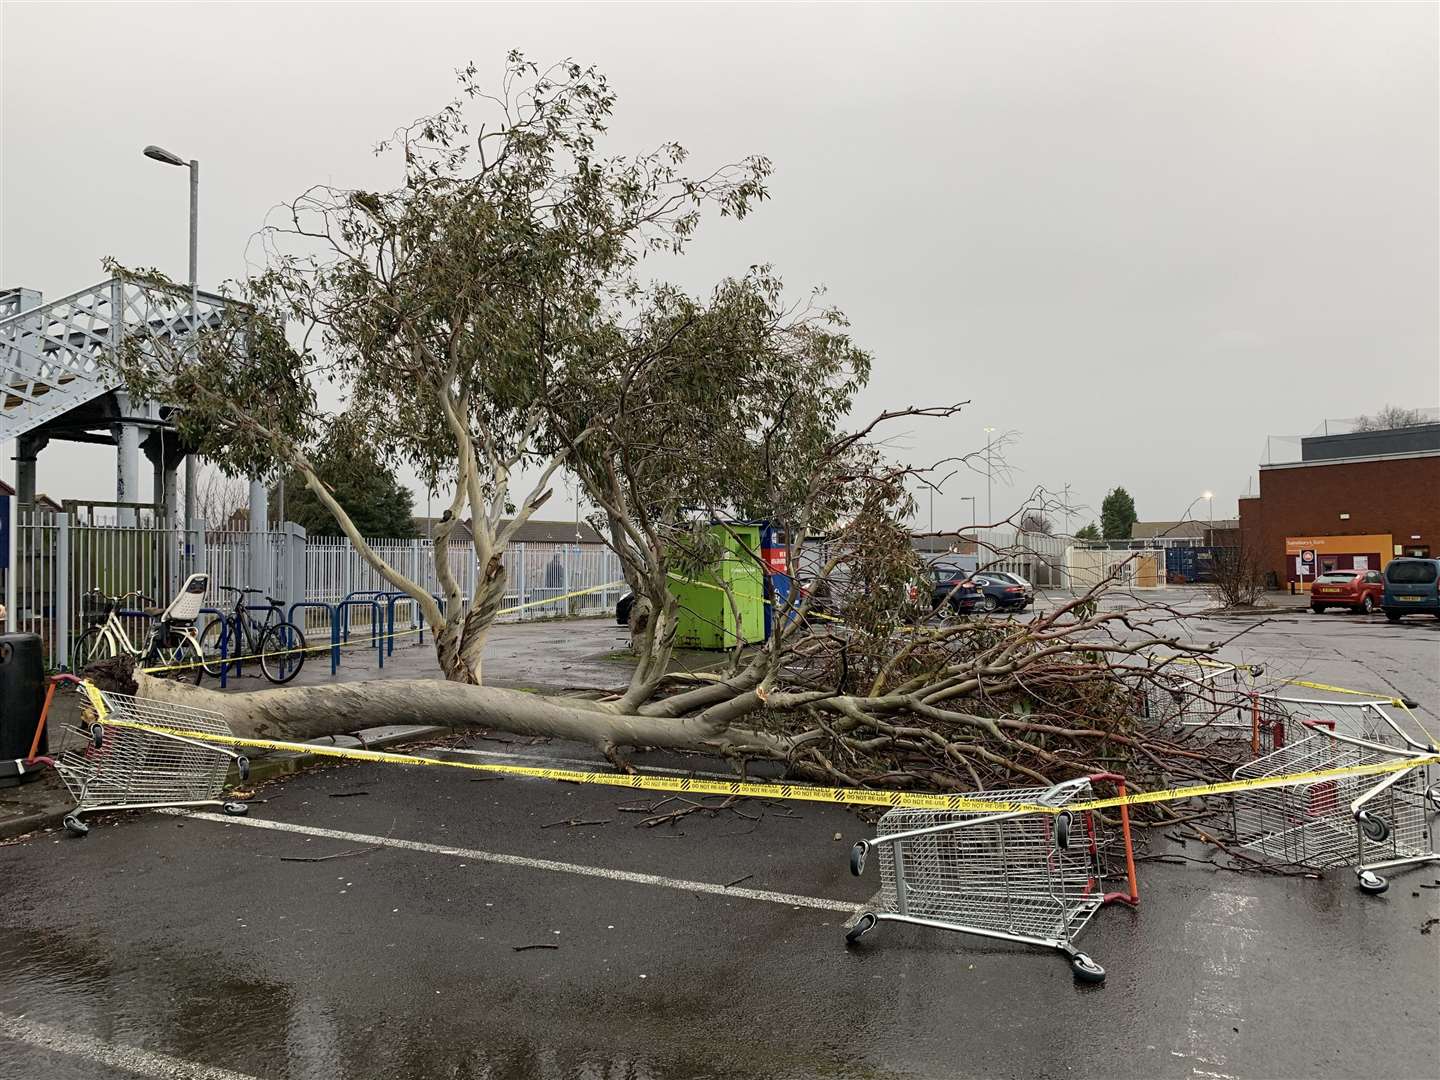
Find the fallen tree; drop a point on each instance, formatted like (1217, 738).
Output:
(482, 319)
(950, 706)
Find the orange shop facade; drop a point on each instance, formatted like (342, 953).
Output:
(1306, 557)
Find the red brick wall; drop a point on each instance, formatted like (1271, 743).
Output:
(1400, 497)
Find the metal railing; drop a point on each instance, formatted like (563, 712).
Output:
(55, 562)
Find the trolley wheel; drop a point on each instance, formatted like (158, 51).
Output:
(74, 826)
(1432, 796)
(860, 929)
(97, 736)
(236, 809)
(1375, 828)
(1063, 821)
(858, 852)
(1372, 883)
(242, 766)
(1086, 970)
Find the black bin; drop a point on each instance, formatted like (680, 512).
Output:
(22, 695)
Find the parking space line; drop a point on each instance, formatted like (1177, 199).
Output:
(629, 877)
(130, 1059)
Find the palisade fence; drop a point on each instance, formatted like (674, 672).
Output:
(56, 563)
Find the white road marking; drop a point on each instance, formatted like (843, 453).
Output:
(628, 876)
(129, 1058)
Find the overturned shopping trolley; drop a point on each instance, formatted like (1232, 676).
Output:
(1032, 875)
(107, 764)
(1200, 701)
(1368, 822)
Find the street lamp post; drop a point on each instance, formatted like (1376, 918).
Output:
(165, 157)
(971, 500)
(1210, 497)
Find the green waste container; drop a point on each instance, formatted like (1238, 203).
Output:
(705, 618)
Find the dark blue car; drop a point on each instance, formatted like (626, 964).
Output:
(1412, 587)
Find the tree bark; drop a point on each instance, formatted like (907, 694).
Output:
(310, 712)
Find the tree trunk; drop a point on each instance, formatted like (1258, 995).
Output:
(459, 645)
(310, 712)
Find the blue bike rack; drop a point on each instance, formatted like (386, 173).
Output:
(377, 634)
(344, 606)
(393, 598)
(334, 627)
(224, 635)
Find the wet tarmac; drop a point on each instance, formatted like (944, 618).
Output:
(368, 921)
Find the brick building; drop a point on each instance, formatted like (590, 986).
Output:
(1352, 502)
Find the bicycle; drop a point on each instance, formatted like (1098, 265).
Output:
(172, 648)
(279, 645)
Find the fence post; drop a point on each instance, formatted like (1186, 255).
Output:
(295, 544)
(12, 571)
(520, 579)
(195, 536)
(61, 656)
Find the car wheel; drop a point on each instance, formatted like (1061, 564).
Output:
(1319, 609)
(989, 605)
(1368, 605)
(1393, 616)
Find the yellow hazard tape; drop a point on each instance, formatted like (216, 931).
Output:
(1383, 699)
(755, 790)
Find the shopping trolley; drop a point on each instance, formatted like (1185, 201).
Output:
(107, 765)
(1199, 701)
(1368, 822)
(1031, 875)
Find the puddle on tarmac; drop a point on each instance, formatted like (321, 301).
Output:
(206, 1009)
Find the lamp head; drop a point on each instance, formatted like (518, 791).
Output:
(159, 153)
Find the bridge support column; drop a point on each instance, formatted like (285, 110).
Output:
(27, 449)
(127, 466)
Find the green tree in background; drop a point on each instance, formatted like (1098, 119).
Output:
(1089, 532)
(363, 485)
(1117, 514)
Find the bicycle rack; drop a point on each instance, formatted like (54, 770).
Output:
(224, 634)
(377, 634)
(334, 627)
(391, 599)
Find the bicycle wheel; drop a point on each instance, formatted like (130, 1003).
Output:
(282, 652)
(180, 660)
(93, 645)
(210, 647)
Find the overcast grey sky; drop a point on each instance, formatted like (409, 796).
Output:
(1143, 236)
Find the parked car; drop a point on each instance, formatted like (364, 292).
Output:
(1358, 590)
(953, 586)
(1412, 586)
(1002, 592)
(1014, 579)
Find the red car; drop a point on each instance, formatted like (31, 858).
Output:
(1358, 590)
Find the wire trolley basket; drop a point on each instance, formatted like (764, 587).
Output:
(1200, 702)
(1028, 875)
(108, 765)
(1368, 822)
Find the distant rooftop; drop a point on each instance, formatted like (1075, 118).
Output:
(1152, 530)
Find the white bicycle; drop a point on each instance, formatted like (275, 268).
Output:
(173, 646)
